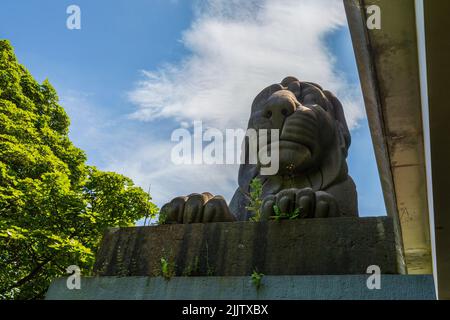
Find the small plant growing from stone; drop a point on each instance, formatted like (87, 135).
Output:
(255, 199)
(162, 218)
(122, 270)
(209, 268)
(193, 268)
(167, 269)
(285, 215)
(257, 279)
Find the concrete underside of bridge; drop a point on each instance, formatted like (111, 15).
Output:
(389, 69)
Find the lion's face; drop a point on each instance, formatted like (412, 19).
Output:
(306, 119)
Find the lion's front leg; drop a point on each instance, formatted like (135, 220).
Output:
(197, 208)
(303, 203)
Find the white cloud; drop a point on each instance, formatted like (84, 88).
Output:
(237, 49)
(150, 165)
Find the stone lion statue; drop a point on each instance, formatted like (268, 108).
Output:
(312, 176)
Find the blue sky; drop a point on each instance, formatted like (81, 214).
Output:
(114, 77)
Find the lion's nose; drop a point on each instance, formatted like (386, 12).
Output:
(280, 106)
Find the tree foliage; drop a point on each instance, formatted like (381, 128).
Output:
(54, 208)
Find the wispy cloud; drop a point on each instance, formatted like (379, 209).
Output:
(237, 48)
(150, 165)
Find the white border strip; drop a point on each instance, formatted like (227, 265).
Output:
(421, 48)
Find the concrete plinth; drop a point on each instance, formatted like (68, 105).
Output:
(333, 246)
(351, 287)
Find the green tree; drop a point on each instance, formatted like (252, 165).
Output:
(54, 208)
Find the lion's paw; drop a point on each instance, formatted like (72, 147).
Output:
(301, 203)
(197, 208)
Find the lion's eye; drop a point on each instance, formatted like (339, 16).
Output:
(284, 112)
(268, 114)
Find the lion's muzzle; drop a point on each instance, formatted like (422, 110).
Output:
(299, 127)
(279, 106)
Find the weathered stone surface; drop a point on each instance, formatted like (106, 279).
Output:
(348, 287)
(289, 247)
